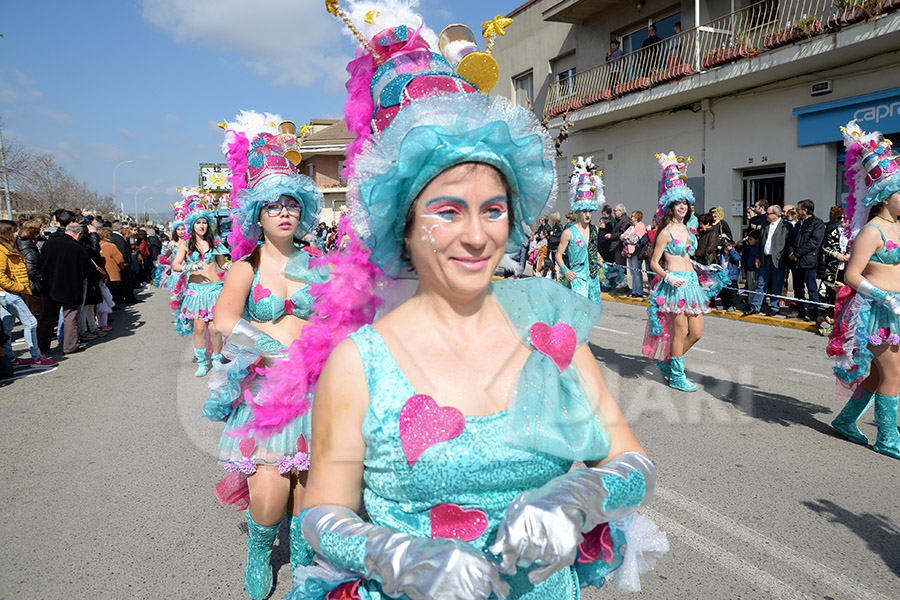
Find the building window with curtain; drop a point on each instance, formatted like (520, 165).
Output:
(524, 89)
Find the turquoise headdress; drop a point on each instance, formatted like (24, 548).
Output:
(262, 150)
(586, 186)
(673, 186)
(417, 113)
(197, 206)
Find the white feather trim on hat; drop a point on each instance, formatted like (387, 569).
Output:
(372, 17)
(251, 124)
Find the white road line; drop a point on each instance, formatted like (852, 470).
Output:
(844, 586)
(704, 350)
(774, 587)
(802, 372)
(611, 330)
(30, 374)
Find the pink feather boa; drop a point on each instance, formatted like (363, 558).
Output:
(359, 108)
(343, 304)
(236, 157)
(853, 159)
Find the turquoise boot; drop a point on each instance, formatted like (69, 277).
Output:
(258, 574)
(302, 554)
(845, 422)
(677, 379)
(888, 441)
(202, 363)
(664, 367)
(216, 359)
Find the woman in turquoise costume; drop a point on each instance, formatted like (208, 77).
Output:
(166, 277)
(578, 256)
(678, 301)
(264, 306)
(202, 256)
(865, 338)
(457, 416)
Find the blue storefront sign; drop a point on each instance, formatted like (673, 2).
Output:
(821, 123)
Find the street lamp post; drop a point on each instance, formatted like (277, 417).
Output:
(5, 180)
(143, 187)
(127, 162)
(144, 209)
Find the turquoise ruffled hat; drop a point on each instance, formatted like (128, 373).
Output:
(432, 135)
(416, 115)
(673, 187)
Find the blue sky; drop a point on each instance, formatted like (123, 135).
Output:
(101, 82)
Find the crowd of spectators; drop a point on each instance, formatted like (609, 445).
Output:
(61, 278)
(781, 250)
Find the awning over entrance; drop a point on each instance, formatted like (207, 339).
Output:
(821, 123)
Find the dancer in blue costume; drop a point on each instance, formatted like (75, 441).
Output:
(165, 277)
(263, 307)
(865, 338)
(578, 255)
(202, 256)
(457, 416)
(678, 301)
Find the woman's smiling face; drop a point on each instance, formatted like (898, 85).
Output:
(459, 229)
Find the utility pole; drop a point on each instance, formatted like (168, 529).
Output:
(9, 214)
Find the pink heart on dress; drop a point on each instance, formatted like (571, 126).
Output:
(557, 342)
(423, 424)
(453, 521)
(259, 292)
(302, 446)
(660, 301)
(289, 306)
(247, 446)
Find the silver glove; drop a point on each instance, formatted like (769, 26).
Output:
(245, 335)
(867, 288)
(191, 267)
(544, 526)
(672, 279)
(421, 568)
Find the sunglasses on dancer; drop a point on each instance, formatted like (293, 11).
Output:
(273, 209)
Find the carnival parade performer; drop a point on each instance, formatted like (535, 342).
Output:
(457, 416)
(865, 338)
(165, 277)
(579, 241)
(203, 257)
(678, 301)
(262, 308)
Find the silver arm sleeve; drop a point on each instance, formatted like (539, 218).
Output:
(544, 526)
(423, 569)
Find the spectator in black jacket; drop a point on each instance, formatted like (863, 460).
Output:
(29, 232)
(65, 264)
(623, 222)
(604, 227)
(805, 243)
(124, 247)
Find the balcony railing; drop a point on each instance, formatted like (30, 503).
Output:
(742, 34)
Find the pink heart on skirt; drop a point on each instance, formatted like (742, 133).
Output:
(453, 521)
(302, 446)
(247, 446)
(423, 424)
(557, 342)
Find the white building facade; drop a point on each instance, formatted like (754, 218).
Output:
(755, 95)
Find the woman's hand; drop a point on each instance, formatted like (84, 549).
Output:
(571, 276)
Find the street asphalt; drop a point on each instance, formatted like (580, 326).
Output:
(108, 472)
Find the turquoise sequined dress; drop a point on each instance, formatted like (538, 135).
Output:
(582, 255)
(198, 300)
(229, 382)
(691, 298)
(437, 473)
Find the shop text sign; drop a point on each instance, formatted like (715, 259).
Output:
(821, 123)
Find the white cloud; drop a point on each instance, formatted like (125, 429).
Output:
(290, 42)
(170, 118)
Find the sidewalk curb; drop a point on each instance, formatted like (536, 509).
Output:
(734, 316)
